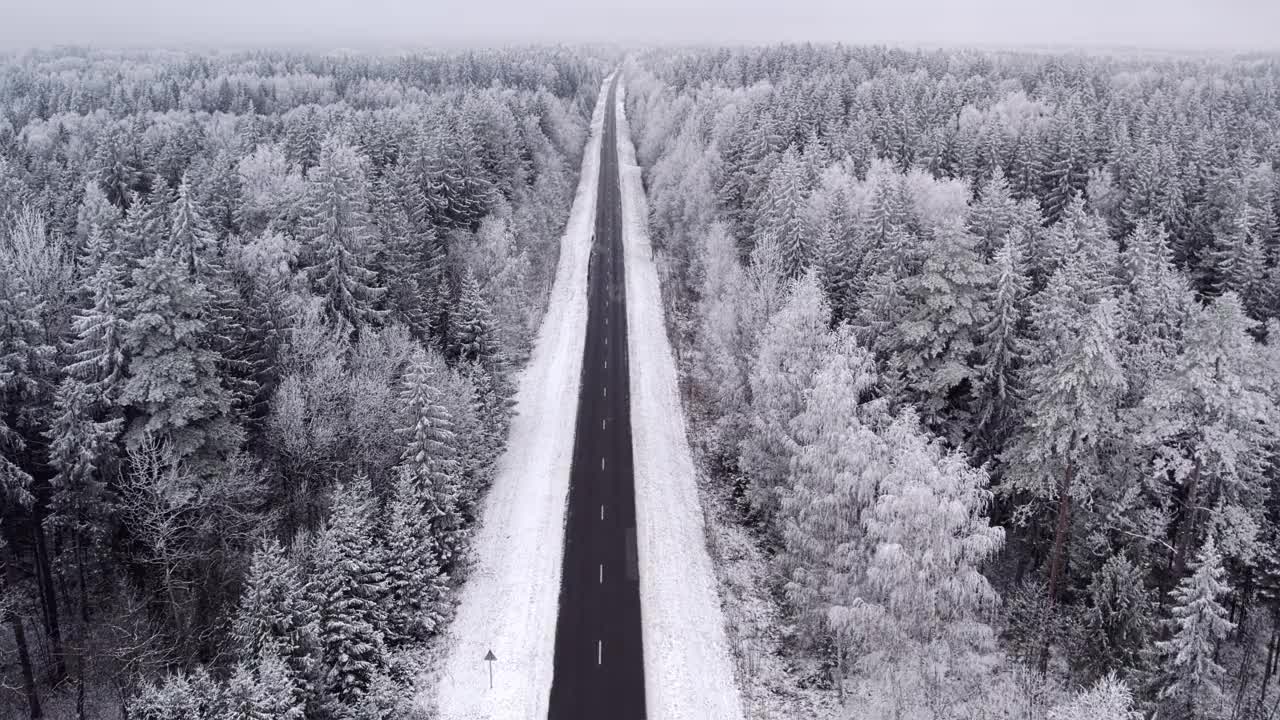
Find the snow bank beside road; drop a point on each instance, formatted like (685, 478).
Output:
(688, 671)
(510, 599)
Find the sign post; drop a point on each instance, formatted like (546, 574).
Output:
(489, 657)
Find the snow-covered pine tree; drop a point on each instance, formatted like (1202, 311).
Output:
(337, 234)
(173, 390)
(415, 585)
(1210, 419)
(399, 259)
(993, 215)
(1237, 261)
(781, 218)
(263, 690)
(278, 620)
(1119, 618)
(841, 246)
(1155, 300)
(25, 361)
(934, 347)
(348, 589)
(83, 453)
(385, 700)
(1071, 414)
(430, 458)
(472, 335)
(145, 228)
(95, 211)
(1191, 678)
(172, 699)
(86, 422)
(189, 234)
(179, 697)
(1001, 352)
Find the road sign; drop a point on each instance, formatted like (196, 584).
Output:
(489, 657)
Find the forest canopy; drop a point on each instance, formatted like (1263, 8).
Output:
(983, 347)
(260, 315)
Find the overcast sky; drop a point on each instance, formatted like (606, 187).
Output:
(1230, 24)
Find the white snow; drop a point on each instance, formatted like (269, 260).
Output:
(688, 671)
(510, 599)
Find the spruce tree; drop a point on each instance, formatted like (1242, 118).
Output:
(993, 215)
(1118, 618)
(338, 234)
(781, 217)
(933, 345)
(172, 388)
(86, 421)
(1210, 419)
(278, 620)
(415, 585)
(1191, 678)
(145, 228)
(472, 334)
(98, 352)
(431, 456)
(189, 234)
(1071, 414)
(95, 212)
(348, 589)
(1001, 352)
(24, 363)
(263, 690)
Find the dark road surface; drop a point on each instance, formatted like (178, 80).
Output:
(599, 661)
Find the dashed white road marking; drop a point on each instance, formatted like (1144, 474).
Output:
(601, 512)
(605, 391)
(599, 652)
(601, 463)
(602, 423)
(601, 573)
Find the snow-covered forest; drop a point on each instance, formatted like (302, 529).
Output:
(260, 315)
(980, 352)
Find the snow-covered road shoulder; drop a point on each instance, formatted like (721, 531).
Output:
(511, 597)
(688, 671)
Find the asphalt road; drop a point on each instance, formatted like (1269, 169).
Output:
(599, 659)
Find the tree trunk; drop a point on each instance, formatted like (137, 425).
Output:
(1187, 529)
(1273, 647)
(49, 604)
(1060, 532)
(20, 642)
(80, 672)
(24, 660)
